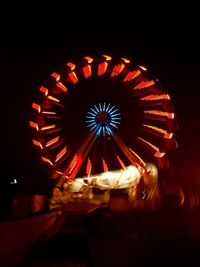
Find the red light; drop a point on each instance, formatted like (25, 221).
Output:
(117, 70)
(144, 84)
(56, 76)
(47, 160)
(61, 86)
(89, 59)
(61, 154)
(34, 125)
(52, 141)
(132, 75)
(37, 143)
(44, 90)
(102, 68)
(108, 58)
(48, 127)
(37, 107)
(87, 71)
(156, 97)
(73, 77)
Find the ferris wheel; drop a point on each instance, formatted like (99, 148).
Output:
(99, 115)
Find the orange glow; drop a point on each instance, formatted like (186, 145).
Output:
(49, 112)
(144, 84)
(159, 154)
(149, 144)
(73, 77)
(105, 166)
(88, 167)
(56, 76)
(52, 141)
(121, 162)
(48, 127)
(87, 71)
(37, 107)
(156, 97)
(160, 113)
(108, 58)
(137, 156)
(59, 172)
(61, 154)
(47, 160)
(34, 125)
(71, 65)
(143, 68)
(61, 86)
(53, 98)
(102, 68)
(126, 60)
(89, 59)
(166, 134)
(44, 90)
(73, 163)
(37, 143)
(54, 131)
(132, 75)
(117, 69)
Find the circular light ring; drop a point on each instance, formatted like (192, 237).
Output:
(96, 100)
(102, 118)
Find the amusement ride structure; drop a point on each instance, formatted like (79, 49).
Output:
(103, 123)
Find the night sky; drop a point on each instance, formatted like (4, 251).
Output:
(33, 46)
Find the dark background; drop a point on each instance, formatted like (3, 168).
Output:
(34, 44)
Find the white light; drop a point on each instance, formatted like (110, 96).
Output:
(14, 181)
(112, 179)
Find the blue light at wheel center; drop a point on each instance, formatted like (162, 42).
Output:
(103, 118)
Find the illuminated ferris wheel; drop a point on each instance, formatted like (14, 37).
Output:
(99, 115)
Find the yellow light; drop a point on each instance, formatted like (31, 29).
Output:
(160, 113)
(159, 154)
(107, 57)
(166, 134)
(49, 112)
(71, 65)
(143, 68)
(89, 59)
(48, 127)
(126, 60)
(52, 141)
(53, 98)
